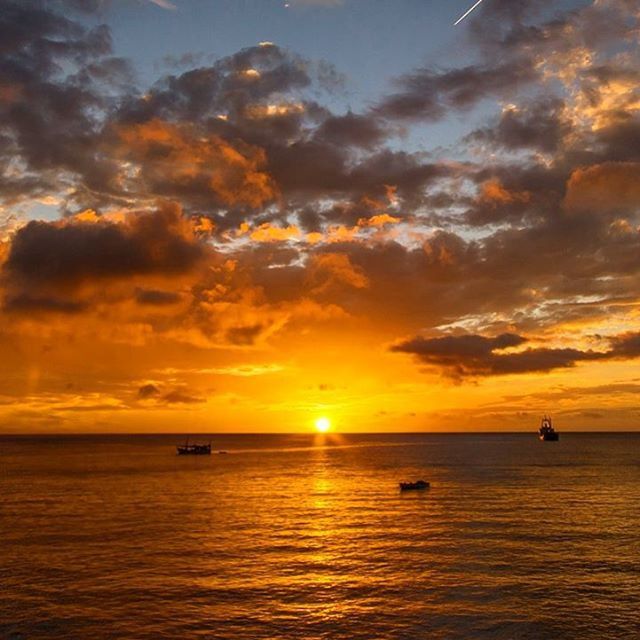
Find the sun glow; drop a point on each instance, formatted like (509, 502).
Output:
(323, 425)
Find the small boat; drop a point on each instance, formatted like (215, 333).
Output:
(546, 431)
(194, 449)
(222, 452)
(414, 486)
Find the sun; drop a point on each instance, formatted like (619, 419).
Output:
(323, 425)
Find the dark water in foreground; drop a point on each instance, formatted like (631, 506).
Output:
(116, 537)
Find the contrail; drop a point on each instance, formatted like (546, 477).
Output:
(467, 13)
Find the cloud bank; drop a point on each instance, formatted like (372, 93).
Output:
(228, 208)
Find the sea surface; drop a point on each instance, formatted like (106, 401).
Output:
(290, 537)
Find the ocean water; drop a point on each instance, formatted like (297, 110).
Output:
(286, 537)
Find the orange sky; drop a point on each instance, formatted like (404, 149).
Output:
(222, 252)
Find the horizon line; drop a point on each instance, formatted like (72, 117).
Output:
(302, 433)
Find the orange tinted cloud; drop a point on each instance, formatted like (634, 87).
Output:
(327, 270)
(268, 233)
(72, 264)
(607, 187)
(171, 156)
(379, 220)
(493, 192)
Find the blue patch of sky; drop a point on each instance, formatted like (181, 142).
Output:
(370, 41)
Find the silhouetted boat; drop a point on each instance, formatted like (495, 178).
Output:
(194, 449)
(414, 486)
(546, 431)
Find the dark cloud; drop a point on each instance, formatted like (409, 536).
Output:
(538, 125)
(28, 304)
(427, 94)
(522, 236)
(175, 396)
(154, 297)
(240, 133)
(257, 96)
(352, 130)
(607, 188)
(178, 396)
(245, 335)
(474, 355)
(65, 254)
(58, 78)
(148, 391)
(626, 346)
(234, 87)
(619, 139)
(471, 355)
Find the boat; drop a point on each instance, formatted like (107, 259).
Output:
(546, 431)
(414, 486)
(194, 449)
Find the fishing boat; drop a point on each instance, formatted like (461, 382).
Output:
(414, 486)
(187, 449)
(546, 431)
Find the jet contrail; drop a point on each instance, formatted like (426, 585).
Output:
(467, 13)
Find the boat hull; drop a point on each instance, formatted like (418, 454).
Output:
(414, 486)
(190, 450)
(549, 437)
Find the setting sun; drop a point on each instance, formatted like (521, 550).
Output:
(323, 425)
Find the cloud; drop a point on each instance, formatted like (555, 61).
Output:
(330, 270)
(153, 393)
(232, 208)
(472, 355)
(57, 76)
(178, 396)
(352, 130)
(63, 254)
(245, 335)
(610, 188)
(148, 391)
(28, 304)
(475, 355)
(174, 161)
(540, 125)
(241, 371)
(430, 95)
(154, 297)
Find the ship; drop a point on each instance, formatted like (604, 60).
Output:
(546, 431)
(414, 486)
(187, 449)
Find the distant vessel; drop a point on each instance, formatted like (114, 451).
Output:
(546, 431)
(413, 486)
(194, 449)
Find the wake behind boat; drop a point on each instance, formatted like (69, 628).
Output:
(194, 449)
(547, 432)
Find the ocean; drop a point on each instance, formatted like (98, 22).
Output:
(287, 536)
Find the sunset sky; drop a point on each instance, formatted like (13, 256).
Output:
(243, 215)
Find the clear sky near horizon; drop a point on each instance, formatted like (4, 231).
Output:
(249, 215)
